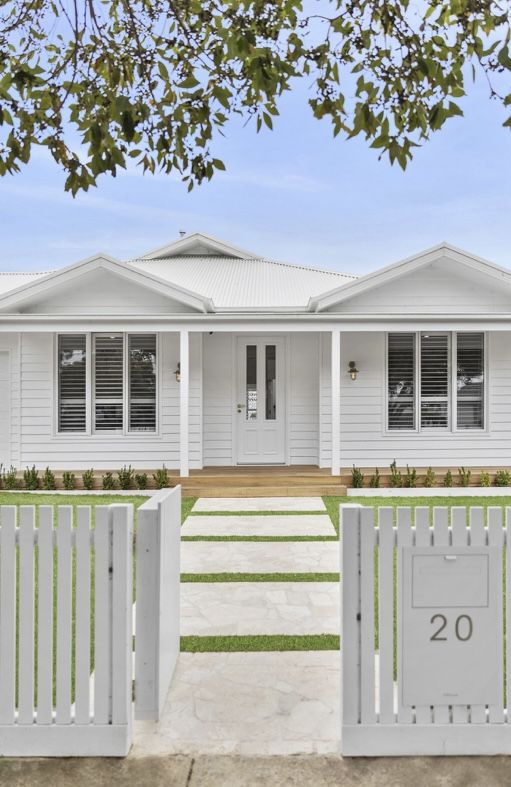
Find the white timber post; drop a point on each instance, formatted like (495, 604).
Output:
(335, 371)
(184, 399)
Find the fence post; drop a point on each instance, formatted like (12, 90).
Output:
(157, 607)
(350, 538)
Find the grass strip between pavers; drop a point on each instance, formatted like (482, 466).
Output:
(259, 513)
(280, 577)
(259, 642)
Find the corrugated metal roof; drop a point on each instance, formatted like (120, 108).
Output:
(244, 283)
(12, 280)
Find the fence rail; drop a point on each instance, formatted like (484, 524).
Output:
(374, 555)
(65, 630)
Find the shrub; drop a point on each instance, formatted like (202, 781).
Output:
(357, 478)
(31, 478)
(503, 478)
(141, 481)
(161, 478)
(88, 479)
(465, 476)
(410, 479)
(48, 479)
(448, 478)
(374, 481)
(396, 477)
(108, 480)
(68, 480)
(430, 478)
(125, 476)
(484, 480)
(10, 479)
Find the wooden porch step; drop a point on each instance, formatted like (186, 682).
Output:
(258, 491)
(258, 482)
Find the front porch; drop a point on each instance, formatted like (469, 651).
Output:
(257, 481)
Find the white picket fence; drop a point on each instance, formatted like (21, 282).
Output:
(65, 685)
(375, 722)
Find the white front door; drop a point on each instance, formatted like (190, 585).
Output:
(260, 404)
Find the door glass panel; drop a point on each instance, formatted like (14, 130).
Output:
(251, 387)
(270, 382)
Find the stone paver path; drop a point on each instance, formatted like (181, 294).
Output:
(273, 702)
(239, 608)
(247, 557)
(264, 525)
(249, 703)
(259, 504)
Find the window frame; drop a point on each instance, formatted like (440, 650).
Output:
(452, 409)
(90, 396)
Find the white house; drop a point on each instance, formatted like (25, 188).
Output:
(202, 354)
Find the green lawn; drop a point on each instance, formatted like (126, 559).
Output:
(34, 499)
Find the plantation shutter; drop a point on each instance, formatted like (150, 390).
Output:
(72, 370)
(142, 382)
(434, 391)
(108, 383)
(401, 380)
(470, 380)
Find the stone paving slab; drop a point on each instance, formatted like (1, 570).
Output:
(248, 703)
(286, 525)
(259, 557)
(259, 504)
(239, 608)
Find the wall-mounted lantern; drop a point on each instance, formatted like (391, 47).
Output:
(178, 373)
(352, 370)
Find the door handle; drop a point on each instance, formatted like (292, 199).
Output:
(240, 407)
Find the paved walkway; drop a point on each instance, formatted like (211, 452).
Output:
(252, 702)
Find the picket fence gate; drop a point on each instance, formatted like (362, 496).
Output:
(66, 624)
(375, 722)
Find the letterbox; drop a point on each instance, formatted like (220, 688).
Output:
(450, 625)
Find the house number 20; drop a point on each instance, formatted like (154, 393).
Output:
(463, 628)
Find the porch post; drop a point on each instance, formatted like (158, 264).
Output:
(335, 372)
(184, 386)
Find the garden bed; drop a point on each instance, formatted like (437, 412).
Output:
(455, 491)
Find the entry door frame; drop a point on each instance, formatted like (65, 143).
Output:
(280, 340)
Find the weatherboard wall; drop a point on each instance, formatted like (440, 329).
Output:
(365, 441)
(42, 445)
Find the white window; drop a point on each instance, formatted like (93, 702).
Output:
(435, 381)
(120, 395)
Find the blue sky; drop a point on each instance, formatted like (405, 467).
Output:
(294, 194)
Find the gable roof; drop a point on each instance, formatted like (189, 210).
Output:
(391, 272)
(37, 288)
(198, 243)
